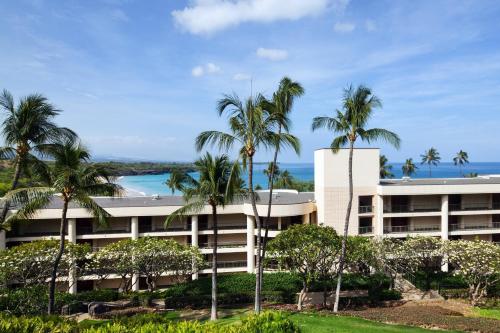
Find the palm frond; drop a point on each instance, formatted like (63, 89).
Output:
(99, 213)
(7, 153)
(223, 140)
(339, 142)
(28, 201)
(189, 208)
(375, 134)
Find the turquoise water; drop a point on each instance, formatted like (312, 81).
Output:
(155, 184)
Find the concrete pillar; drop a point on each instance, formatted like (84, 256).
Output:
(250, 244)
(72, 280)
(444, 227)
(3, 243)
(194, 238)
(378, 228)
(306, 219)
(134, 230)
(279, 222)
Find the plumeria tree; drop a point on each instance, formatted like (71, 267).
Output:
(311, 251)
(478, 262)
(153, 257)
(32, 263)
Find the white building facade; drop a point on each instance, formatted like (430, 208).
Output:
(448, 208)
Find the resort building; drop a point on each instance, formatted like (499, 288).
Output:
(449, 208)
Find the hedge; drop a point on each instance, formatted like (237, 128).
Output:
(266, 322)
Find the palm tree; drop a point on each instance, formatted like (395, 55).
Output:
(74, 179)
(250, 129)
(218, 185)
(272, 172)
(350, 124)
(285, 180)
(430, 157)
(176, 180)
(279, 109)
(385, 169)
(460, 159)
(26, 129)
(409, 168)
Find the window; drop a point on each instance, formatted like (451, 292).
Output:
(365, 204)
(145, 224)
(365, 225)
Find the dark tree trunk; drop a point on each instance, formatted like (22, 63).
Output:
(259, 231)
(15, 181)
(346, 230)
(52, 285)
(268, 217)
(213, 312)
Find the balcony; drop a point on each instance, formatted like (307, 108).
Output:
(409, 229)
(210, 245)
(456, 227)
(89, 230)
(412, 208)
(365, 230)
(365, 209)
(228, 264)
(232, 226)
(13, 234)
(474, 206)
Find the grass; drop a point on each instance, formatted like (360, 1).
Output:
(308, 322)
(493, 313)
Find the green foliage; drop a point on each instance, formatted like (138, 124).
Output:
(144, 168)
(267, 322)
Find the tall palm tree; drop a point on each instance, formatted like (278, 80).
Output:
(460, 159)
(176, 180)
(26, 129)
(74, 179)
(250, 129)
(350, 124)
(279, 109)
(431, 158)
(218, 185)
(409, 168)
(385, 169)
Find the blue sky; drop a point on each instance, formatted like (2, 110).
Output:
(141, 78)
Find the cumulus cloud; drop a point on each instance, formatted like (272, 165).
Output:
(344, 27)
(241, 77)
(370, 25)
(206, 69)
(272, 54)
(203, 17)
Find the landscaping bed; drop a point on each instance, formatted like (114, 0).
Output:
(429, 316)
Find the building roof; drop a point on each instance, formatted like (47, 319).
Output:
(486, 180)
(279, 198)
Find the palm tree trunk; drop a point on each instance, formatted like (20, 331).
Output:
(259, 238)
(346, 229)
(52, 285)
(15, 181)
(430, 171)
(213, 313)
(268, 217)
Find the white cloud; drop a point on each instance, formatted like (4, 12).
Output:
(272, 54)
(201, 70)
(241, 77)
(203, 17)
(370, 25)
(344, 27)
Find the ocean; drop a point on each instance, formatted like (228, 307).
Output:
(155, 184)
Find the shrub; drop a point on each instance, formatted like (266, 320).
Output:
(98, 295)
(23, 324)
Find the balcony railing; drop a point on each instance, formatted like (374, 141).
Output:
(91, 231)
(415, 228)
(228, 264)
(493, 225)
(365, 209)
(220, 226)
(33, 234)
(223, 244)
(411, 208)
(474, 206)
(365, 230)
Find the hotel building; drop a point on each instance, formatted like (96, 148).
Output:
(450, 208)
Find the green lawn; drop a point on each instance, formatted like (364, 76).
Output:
(487, 313)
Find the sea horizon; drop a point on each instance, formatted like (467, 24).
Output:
(145, 185)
